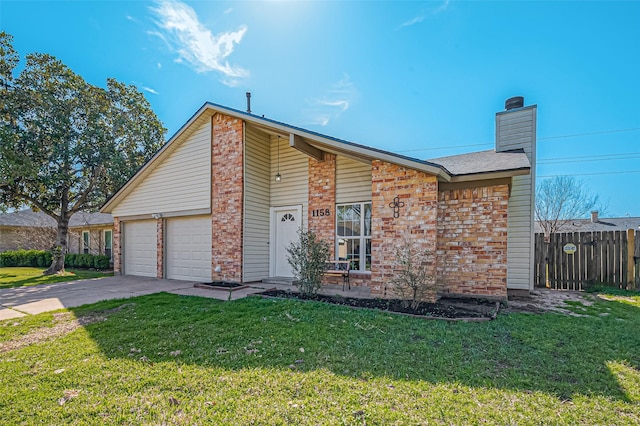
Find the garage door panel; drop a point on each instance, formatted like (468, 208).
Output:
(140, 250)
(188, 248)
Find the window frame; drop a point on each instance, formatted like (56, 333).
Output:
(104, 240)
(362, 237)
(86, 242)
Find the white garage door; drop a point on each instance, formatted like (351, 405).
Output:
(188, 248)
(140, 249)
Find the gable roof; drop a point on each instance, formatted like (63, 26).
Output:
(29, 218)
(437, 167)
(603, 224)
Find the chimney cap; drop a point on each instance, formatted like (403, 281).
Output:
(514, 102)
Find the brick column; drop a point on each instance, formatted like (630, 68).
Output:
(417, 218)
(227, 197)
(472, 240)
(322, 199)
(117, 249)
(160, 247)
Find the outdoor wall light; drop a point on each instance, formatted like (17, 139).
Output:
(278, 177)
(156, 215)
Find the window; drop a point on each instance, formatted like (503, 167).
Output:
(85, 242)
(108, 243)
(353, 230)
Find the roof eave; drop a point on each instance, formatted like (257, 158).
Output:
(491, 175)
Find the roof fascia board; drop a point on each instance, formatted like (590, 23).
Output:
(491, 175)
(340, 145)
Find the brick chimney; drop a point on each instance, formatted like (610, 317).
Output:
(594, 216)
(516, 130)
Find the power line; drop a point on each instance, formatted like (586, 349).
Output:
(618, 157)
(573, 135)
(592, 174)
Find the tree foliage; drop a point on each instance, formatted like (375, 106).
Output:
(308, 257)
(67, 145)
(562, 199)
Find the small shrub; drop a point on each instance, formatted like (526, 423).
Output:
(84, 261)
(308, 257)
(101, 261)
(30, 258)
(44, 259)
(8, 258)
(70, 260)
(413, 281)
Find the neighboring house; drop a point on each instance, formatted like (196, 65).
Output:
(596, 223)
(25, 229)
(226, 194)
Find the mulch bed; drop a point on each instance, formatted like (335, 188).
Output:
(468, 309)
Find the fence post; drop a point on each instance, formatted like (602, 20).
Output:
(630, 258)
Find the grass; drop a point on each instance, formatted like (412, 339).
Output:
(184, 360)
(19, 277)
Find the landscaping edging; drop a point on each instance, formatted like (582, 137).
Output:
(490, 317)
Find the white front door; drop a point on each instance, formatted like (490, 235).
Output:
(285, 224)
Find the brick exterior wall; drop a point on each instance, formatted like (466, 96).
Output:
(227, 197)
(160, 247)
(472, 241)
(322, 196)
(416, 220)
(116, 247)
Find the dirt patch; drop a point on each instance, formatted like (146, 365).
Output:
(63, 324)
(444, 308)
(543, 300)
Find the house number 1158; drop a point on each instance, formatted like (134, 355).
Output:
(320, 212)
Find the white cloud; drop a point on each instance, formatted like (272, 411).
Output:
(195, 44)
(132, 19)
(332, 103)
(149, 89)
(412, 21)
(226, 12)
(421, 17)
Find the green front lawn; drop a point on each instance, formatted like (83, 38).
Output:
(18, 277)
(168, 359)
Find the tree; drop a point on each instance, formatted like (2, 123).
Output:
(562, 199)
(308, 257)
(413, 279)
(66, 145)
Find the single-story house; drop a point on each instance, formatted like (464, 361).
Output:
(596, 224)
(25, 229)
(226, 194)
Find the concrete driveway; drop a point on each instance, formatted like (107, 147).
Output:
(20, 301)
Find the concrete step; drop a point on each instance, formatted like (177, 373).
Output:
(279, 281)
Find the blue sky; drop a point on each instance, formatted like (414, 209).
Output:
(421, 78)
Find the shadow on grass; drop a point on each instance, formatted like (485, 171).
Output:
(560, 355)
(13, 280)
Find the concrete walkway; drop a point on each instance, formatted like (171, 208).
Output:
(17, 302)
(21, 301)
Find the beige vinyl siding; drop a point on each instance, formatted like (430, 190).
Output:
(293, 189)
(514, 130)
(353, 180)
(256, 201)
(180, 182)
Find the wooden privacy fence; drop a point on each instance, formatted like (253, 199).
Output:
(610, 258)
